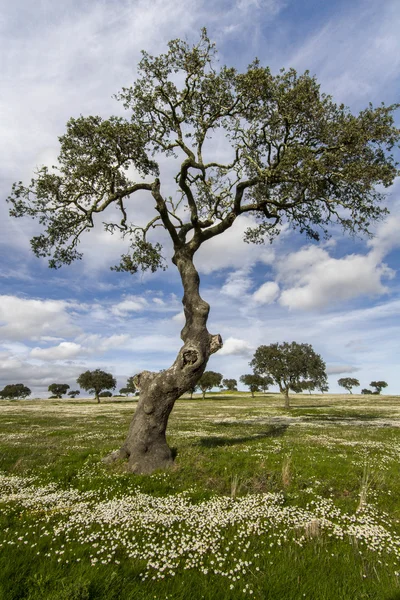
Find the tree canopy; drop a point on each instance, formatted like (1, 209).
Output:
(58, 389)
(96, 381)
(290, 366)
(290, 157)
(255, 383)
(378, 385)
(15, 390)
(294, 156)
(348, 383)
(230, 384)
(209, 380)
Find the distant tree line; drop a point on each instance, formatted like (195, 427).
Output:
(290, 366)
(349, 382)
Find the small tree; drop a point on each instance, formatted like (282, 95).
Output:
(294, 158)
(291, 366)
(348, 382)
(230, 384)
(105, 395)
(378, 385)
(366, 391)
(130, 387)
(191, 391)
(253, 382)
(58, 389)
(14, 391)
(209, 380)
(73, 393)
(96, 381)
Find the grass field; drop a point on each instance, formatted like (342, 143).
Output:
(261, 503)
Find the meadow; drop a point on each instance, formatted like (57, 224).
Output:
(261, 502)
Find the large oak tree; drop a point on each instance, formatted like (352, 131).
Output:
(291, 366)
(295, 158)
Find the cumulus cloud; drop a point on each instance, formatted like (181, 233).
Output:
(267, 293)
(64, 351)
(179, 317)
(318, 280)
(29, 319)
(129, 304)
(235, 346)
(237, 283)
(230, 251)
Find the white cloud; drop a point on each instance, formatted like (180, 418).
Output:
(230, 251)
(129, 304)
(267, 293)
(318, 280)
(96, 343)
(235, 346)
(179, 317)
(28, 319)
(237, 284)
(64, 351)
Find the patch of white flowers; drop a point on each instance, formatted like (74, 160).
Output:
(172, 533)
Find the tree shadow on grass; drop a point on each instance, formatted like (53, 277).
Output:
(213, 442)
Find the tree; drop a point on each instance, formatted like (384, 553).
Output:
(105, 395)
(209, 380)
(253, 382)
(96, 381)
(191, 391)
(230, 384)
(74, 393)
(15, 390)
(366, 391)
(348, 383)
(291, 366)
(295, 158)
(130, 387)
(378, 385)
(58, 389)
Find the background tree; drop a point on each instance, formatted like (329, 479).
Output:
(253, 382)
(13, 391)
(58, 389)
(291, 366)
(378, 385)
(96, 381)
(366, 391)
(230, 384)
(209, 380)
(74, 393)
(295, 158)
(348, 382)
(106, 394)
(191, 391)
(130, 385)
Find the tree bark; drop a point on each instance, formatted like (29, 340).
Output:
(285, 392)
(146, 447)
(97, 397)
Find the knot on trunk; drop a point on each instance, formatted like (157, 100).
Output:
(143, 378)
(215, 343)
(189, 357)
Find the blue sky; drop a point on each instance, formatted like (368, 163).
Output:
(63, 59)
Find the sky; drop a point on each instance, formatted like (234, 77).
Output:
(63, 59)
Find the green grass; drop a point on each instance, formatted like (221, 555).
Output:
(261, 502)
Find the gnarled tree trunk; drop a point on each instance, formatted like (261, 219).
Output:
(146, 447)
